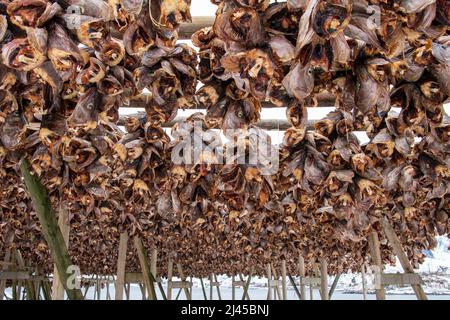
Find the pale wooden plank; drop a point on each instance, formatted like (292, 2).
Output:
(374, 246)
(121, 264)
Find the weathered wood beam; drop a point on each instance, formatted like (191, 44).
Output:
(334, 285)
(269, 278)
(29, 286)
(283, 279)
(301, 271)
(364, 284)
(401, 279)
(50, 228)
(145, 266)
(247, 285)
(57, 287)
(169, 278)
(203, 289)
(374, 246)
(121, 264)
(244, 284)
(402, 257)
(292, 281)
(183, 278)
(6, 259)
(217, 285)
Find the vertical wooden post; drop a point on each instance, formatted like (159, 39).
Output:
(145, 267)
(334, 285)
(283, 279)
(269, 278)
(190, 289)
(121, 264)
(50, 229)
(183, 278)
(233, 288)
(402, 257)
(217, 287)
(276, 289)
(203, 289)
(324, 278)
(154, 263)
(374, 246)
(247, 285)
(211, 288)
(301, 270)
(364, 287)
(245, 291)
(6, 259)
(57, 286)
(108, 294)
(169, 278)
(29, 286)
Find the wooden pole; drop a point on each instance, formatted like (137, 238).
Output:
(211, 287)
(374, 246)
(401, 255)
(247, 285)
(190, 289)
(121, 264)
(283, 279)
(233, 288)
(301, 270)
(295, 286)
(29, 286)
(145, 267)
(217, 287)
(203, 289)
(246, 292)
(364, 287)
(154, 263)
(276, 290)
(169, 278)
(57, 287)
(50, 228)
(324, 279)
(6, 259)
(269, 278)
(183, 278)
(334, 285)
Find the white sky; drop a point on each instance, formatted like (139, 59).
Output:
(206, 8)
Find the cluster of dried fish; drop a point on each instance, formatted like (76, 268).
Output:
(61, 87)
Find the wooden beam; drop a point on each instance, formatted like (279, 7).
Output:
(244, 284)
(183, 278)
(324, 279)
(121, 264)
(297, 292)
(29, 286)
(145, 267)
(217, 285)
(50, 228)
(57, 286)
(203, 289)
(188, 29)
(184, 284)
(169, 278)
(401, 279)
(269, 278)
(334, 285)
(301, 270)
(276, 289)
(364, 284)
(233, 288)
(401, 255)
(374, 246)
(154, 263)
(283, 279)
(6, 259)
(247, 285)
